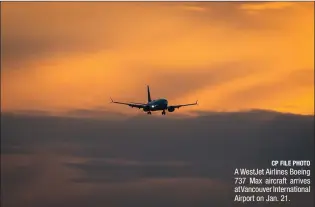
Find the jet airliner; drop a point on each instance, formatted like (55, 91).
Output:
(154, 105)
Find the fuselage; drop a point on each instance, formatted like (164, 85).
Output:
(156, 105)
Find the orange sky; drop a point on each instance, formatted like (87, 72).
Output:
(59, 56)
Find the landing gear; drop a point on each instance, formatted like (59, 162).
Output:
(163, 112)
(149, 112)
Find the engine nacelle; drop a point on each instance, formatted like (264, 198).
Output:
(171, 109)
(146, 108)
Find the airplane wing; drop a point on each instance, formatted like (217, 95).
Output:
(131, 104)
(178, 106)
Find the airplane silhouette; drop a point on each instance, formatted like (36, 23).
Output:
(154, 105)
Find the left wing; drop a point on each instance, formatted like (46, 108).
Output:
(136, 105)
(178, 106)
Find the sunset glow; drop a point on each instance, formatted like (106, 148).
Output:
(61, 56)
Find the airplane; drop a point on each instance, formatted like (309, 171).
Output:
(154, 105)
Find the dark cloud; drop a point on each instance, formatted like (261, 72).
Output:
(143, 160)
(111, 170)
(168, 192)
(95, 113)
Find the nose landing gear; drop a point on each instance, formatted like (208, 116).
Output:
(163, 112)
(149, 112)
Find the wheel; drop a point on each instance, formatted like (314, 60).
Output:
(163, 113)
(149, 112)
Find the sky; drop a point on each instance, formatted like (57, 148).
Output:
(65, 56)
(68, 59)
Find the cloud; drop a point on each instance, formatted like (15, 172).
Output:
(147, 160)
(297, 82)
(80, 57)
(94, 113)
(266, 5)
(194, 8)
(189, 81)
(110, 170)
(22, 182)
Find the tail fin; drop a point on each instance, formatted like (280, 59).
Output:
(149, 96)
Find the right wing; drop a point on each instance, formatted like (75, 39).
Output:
(136, 105)
(181, 105)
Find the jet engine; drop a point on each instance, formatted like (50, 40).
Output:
(171, 109)
(146, 108)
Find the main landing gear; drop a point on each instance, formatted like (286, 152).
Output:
(163, 112)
